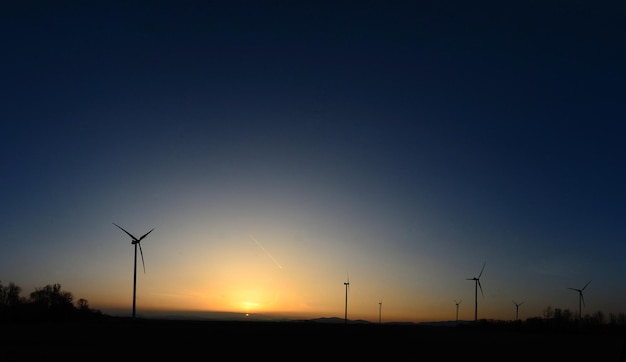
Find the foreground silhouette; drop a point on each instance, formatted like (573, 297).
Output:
(49, 321)
(302, 341)
(48, 303)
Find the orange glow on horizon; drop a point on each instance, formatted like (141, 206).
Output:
(249, 300)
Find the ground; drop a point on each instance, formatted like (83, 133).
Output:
(299, 341)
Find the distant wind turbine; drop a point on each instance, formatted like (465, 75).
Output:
(136, 242)
(517, 309)
(347, 284)
(581, 299)
(380, 307)
(457, 309)
(476, 286)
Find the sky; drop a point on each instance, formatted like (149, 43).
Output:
(282, 149)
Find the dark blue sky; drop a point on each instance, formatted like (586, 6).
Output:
(436, 136)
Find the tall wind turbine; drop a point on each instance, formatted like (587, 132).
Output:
(457, 310)
(380, 307)
(136, 242)
(476, 286)
(581, 299)
(347, 284)
(517, 309)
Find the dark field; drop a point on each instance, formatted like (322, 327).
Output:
(297, 341)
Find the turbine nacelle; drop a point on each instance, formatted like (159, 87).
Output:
(136, 241)
(580, 292)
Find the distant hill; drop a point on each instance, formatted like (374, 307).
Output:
(361, 321)
(337, 320)
(253, 317)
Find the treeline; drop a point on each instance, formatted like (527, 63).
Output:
(558, 320)
(48, 303)
(566, 317)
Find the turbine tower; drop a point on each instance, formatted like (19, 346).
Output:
(517, 309)
(581, 299)
(457, 310)
(347, 284)
(136, 242)
(476, 286)
(380, 307)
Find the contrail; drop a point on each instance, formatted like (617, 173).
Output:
(266, 252)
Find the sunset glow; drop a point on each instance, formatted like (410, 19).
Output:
(269, 150)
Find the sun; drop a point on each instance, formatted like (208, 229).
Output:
(249, 306)
(251, 301)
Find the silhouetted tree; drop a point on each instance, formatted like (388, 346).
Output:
(50, 302)
(617, 320)
(82, 304)
(47, 303)
(10, 295)
(11, 303)
(84, 311)
(567, 315)
(597, 319)
(548, 313)
(561, 315)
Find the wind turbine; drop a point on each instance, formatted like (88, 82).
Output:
(457, 310)
(476, 286)
(380, 307)
(347, 284)
(581, 299)
(136, 242)
(517, 309)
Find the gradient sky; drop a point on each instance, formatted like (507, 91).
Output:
(279, 148)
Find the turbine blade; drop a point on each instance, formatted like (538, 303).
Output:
(129, 234)
(142, 262)
(586, 285)
(481, 270)
(146, 234)
(582, 298)
(480, 286)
